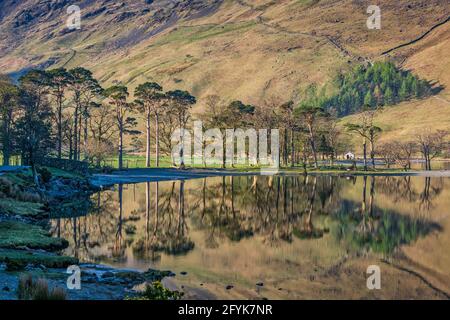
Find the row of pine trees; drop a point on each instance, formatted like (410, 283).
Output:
(379, 84)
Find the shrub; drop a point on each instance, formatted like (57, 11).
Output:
(5, 187)
(14, 265)
(8, 188)
(58, 294)
(46, 175)
(156, 291)
(130, 229)
(24, 287)
(38, 290)
(28, 197)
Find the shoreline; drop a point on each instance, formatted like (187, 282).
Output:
(133, 176)
(28, 249)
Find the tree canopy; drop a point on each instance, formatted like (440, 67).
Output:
(376, 85)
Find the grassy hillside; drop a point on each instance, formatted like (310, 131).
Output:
(239, 49)
(248, 50)
(428, 59)
(405, 121)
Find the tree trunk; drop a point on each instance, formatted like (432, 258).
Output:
(292, 149)
(71, 147)
(285, 151)
(5, 155)
(121, 147)
(224, 153)
(147, 151)
(147, 213)
(313, 146)
(6, 139)
(182, 149)
(35, 175)
(75, 135)
(363, 204)
(372, 194)
(79, 136)
(157, 139)
(181, 209)
(305, 171)
(85, 133)
(372, 153)
(365, 154)
(59, 128)
(181, 123)
(156, 226)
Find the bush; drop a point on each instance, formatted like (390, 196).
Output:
(156, 291)
(28, 197)
(14, 265)
(46, 175)
(8, 188)
(38, 290)
(130, 229)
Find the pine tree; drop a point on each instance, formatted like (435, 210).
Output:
(403, 92)
(366, 86)
(369, 100)
(415, 88)
(378, 95)
(388, 96)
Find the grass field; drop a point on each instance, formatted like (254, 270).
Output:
(137, 161)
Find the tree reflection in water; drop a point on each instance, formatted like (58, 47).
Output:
(274, 210)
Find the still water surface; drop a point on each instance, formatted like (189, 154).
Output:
(289, 237)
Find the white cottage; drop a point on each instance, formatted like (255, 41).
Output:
(349, 156)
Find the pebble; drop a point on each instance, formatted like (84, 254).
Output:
(229, 287)
(183, 273)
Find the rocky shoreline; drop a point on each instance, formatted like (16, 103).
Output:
(27, 247)
(98, 282)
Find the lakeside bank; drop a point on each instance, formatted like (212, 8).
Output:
(28, 250)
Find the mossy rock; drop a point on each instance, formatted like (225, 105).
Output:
(133, 277)
(152, 274)
(19, 259)
(17, 235)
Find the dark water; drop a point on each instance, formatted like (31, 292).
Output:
(296, 237)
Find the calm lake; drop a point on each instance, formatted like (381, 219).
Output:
(289, 237)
